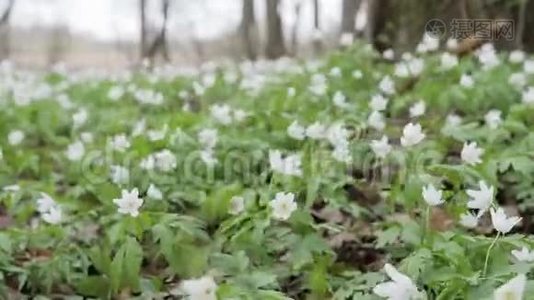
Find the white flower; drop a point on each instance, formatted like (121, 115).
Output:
(296, 131)
(428, 43)
(468, 220)
(381, 147)
(448, 61)
(221, 113)
(116, 92)
(289, 165)
(79, 118)
(453, 120)
(240, 115)
(528, 66)
(501, 222)
(452, 44)
(378, 102)
(512, 290)
(154, 193)
(148, 97)
(15, 137)
(11, 188)
(120, 143)
(119, 175)
(487, 56)
(416, 66)
(467, 81)
(318, 85)
(237, 205)
(129, 202)
(337, 135)
(418, 109)
(291, 92)
(342, 153)
(44, 203)
(283, 205)
(376, 120)
(480, 199)
(157, 135)
(524, 254)
(357, 74)
(148, 163)
(402, 70)
(493, 118)
(471, 153)
(75, 151)
(412, 134)
(316, 131)
(139, 127)
(518, 80)
(208, 157)
(203, 288)
(335, 72)
(432, 196)
(387, 86)
(401, 287)
(86, 137)
(528, 95)
(53, 215)
(516, 56)
(208, 137)
(340, 100)
(388, 54)
(164, 160)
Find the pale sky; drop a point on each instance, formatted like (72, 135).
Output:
(108, 19)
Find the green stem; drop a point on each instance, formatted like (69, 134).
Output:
(426, 225)
(488, 253)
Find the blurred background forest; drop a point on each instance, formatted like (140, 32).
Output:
(120, 33)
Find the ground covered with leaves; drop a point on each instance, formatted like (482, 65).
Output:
(363, 175)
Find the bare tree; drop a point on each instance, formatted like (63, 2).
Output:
(275, 47)
(249, 29)
(317, 44)
(143, 29)
(149, 49)
(5, 48)
(160, 44)
(348, 15)
(294, 31)
(58, 43)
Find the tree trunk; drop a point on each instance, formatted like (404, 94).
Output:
(348, 15)
(528, 39)
(275, 47)
(160, 44)
(249, 30)
(317, 38)
(143, 32)
(294, 31)
(5, 45)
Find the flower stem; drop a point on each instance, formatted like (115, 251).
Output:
(488, 253)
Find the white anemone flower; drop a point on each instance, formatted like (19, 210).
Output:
(480, 199)
(471, 153)
(283, 205)
(523, 255)
(129, 202)
(512, 290)
(400, 287)
(412, 134)
(432, 196)
(501, 222)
